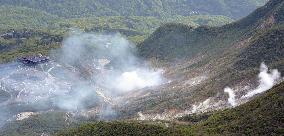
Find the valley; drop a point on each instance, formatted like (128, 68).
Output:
(152, 72)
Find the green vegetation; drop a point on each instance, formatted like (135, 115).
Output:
(173, 41)
(20, 17)
(33, 43)
(55, 19)
(119, 129)
(14, 17)
(269, 43)
(158, 8)
(44, 123)
(45, 26)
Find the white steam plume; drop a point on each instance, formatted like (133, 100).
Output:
(266, 80)
(86, 72)
(120, 70)
(232, 96)
(136, 79)
(109, 63)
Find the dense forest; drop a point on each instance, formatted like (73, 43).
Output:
(159, 8)
(134, 19)
(45, 25)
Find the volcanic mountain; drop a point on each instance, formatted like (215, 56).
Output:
(202, 61)
(215, 83)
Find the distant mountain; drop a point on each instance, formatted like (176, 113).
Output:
(187, 41)
(19, 17)
(46, 26)
(134, 19)
(161, 8)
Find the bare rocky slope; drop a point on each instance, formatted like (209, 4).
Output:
(201, 62)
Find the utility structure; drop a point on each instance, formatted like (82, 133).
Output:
(33, 60)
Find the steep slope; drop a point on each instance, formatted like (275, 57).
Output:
(261, 116)
(267, 47)
(161, 8)
(181, 41)
(201, 62)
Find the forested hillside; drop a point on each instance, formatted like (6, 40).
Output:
(16, 17)
(134, 19)
(191, 40)
(159, 8)
(136, 28)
